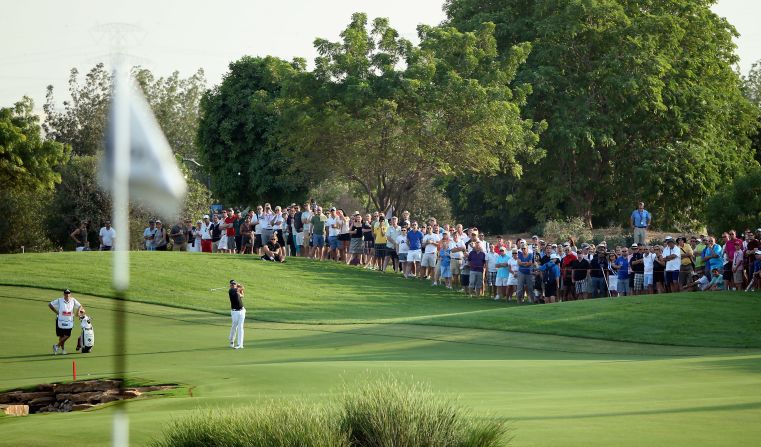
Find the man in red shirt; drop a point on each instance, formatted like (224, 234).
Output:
(566, 268)
(228, 217)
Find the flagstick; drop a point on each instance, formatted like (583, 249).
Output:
(120, 191)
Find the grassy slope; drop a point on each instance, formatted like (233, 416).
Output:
(322, 293)
(555, 390)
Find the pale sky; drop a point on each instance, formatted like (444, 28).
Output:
(43, 39)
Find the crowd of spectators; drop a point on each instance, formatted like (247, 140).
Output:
(455, 257)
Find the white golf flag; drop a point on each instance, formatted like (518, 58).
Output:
(155, 180)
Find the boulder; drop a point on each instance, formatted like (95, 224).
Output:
(41, 401)
(27, 397)
(11, 397)
(15, 410)
(131, 393)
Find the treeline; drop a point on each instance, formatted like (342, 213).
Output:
(508, 114)
(512, 112)
(49, 183)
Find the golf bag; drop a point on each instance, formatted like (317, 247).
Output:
(86, 339)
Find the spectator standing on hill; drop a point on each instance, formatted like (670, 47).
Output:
(445, 259)
(216, 233)
(697, 253)
(637, 267)
(319, 220)
(752, 243)
(621, 266)
(106, 236)
(476, 261)
(640, 220)
(581, 274)
(503, 273)
(392, 233)
(306, 229)
(598, 271)
(430, 244)
(356, 232)
(334, 223)
(179, 236)
(161, 239)
(240, 219)
(551, 277)
(738, 272)
(149, 235)
(206, 242)
(712, 255)
(380, 229)
(729, 254)
(64, 308)
(673, 257)
(238, 315)
(79, 235)
(258, 224)
(246, 237)
(567, 263)
(491, 273)
(659, 270)
(415, 239)
(525, 274)
(402, 250)
(457, 256)
(686, 263)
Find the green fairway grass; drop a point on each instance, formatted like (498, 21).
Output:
(305, 291)
(700, 386)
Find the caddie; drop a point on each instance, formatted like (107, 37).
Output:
(64, 308)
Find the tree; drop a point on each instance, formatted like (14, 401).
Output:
(26, 160)
(237, 134)
(752, 90)
(390, 117)
(737, 205)
(640, 98)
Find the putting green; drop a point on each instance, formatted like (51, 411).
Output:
(555, 390)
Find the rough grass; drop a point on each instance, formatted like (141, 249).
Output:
(388, 413)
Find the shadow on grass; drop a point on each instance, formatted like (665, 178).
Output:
(703, 409)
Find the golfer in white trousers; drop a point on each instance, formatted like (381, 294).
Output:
(238, 314)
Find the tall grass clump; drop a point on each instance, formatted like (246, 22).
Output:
(395, 414)
(271, 425)
(388, 413)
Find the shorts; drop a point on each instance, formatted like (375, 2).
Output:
(582, 286)
(429, 260)
(445, 272)
(222, 243)
(672, 276)
(639, 281)
(550, 288)
(502, 282)
(512, 280)
(465, 278)
(623, 286)
(299, 239)
(646, 282)
(344, 237)
(61, 332)
(455, 266)
(104, 248)
(491, 278)
(231, 242)
(476, 280)
(381, 251)
(257, 241)
(333, 242)
(413, 256)
(739, 277)
(727, 272)
(318, 240)
(403, 257)
(613, 283)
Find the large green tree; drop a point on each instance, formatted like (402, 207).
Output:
(26, 159)
(752, 90)
(237, 134)
(390, 117)
(640, 98)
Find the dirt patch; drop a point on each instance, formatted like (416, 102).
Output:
(74, 396)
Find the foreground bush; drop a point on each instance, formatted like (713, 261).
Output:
(389, 414)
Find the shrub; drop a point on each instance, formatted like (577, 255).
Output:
(386, 414)
(562, 230)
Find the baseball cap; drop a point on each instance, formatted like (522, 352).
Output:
(332, 208)
(67, 291)
(554, 256)
(668, 239)
(584, 245)
(534, 237)
(232, 282)
(503, 249)
(205, 216)
(635, 245)
(566, 244)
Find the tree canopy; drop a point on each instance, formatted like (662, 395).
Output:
(26, 160)
(640, 98)
(390, 117)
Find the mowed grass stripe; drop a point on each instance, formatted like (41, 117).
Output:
(311, 292)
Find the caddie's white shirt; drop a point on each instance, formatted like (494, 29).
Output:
(675, 263)
(108, 235)
(65, 311)
(430, 241)
(332, 221)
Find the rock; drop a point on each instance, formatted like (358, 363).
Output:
(11, 397)
(15, 410)
(109, 398)
(131, 393)
(41, 401)
(27, 397)
(46, 387)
